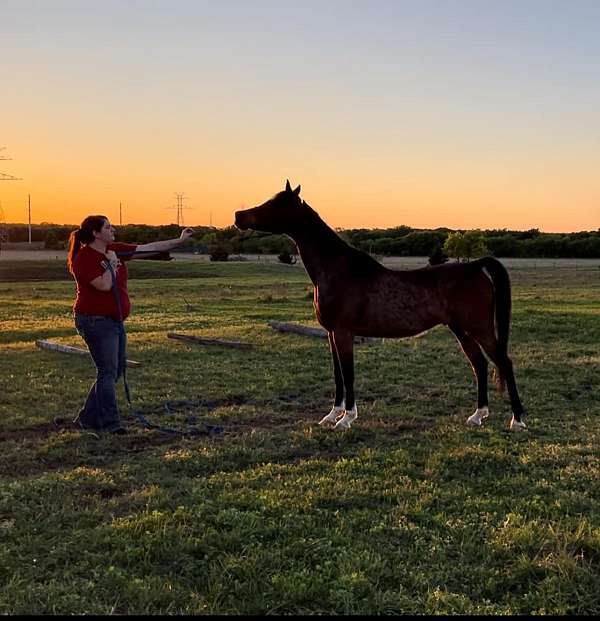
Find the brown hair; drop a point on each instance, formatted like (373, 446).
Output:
(83, 235)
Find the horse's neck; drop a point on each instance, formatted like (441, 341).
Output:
(320, 248)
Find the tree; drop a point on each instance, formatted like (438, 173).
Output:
(437, 257)
(503, 246)
(287, 258)
(218, 252)
(51, 242)
(465, 245)
(453, 246)
(422, 243)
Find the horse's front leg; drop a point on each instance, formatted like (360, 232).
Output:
(337, 411)
(344, 345)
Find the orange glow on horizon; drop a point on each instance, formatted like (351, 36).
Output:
(343, 203)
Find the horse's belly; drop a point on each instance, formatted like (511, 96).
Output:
(377, 316)
(394, 330)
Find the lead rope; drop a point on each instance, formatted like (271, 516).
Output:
(122, 334)
(192, 431)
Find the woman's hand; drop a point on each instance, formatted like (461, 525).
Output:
(112, 257)
(186, 233)
(105, 282)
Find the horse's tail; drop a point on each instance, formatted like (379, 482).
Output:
(502, 308)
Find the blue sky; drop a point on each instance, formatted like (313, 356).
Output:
(448, 113)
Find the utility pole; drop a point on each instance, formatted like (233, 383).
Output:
(120, 215)
(29, 204)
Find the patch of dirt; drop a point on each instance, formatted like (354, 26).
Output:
(280, 417)
(35, 432)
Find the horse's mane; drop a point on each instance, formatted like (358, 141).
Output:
(332, 244)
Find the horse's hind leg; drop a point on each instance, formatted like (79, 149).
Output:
(337, 411)
(344, 345)
(480, 369)
(505, 367)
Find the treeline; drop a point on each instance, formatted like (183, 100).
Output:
(398, 241)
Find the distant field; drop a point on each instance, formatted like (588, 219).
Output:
(61, 255)
(409, 511)
(10, 256)
(19, 264)
(32, 255)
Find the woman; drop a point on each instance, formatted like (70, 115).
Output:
(94, 262)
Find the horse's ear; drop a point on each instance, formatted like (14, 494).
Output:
(288, 187)
(297, 191)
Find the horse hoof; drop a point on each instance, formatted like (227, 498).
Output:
(343, 424)
(515, 425)
(476, 419)
(346, 421)
(328, 420)
(331, 418)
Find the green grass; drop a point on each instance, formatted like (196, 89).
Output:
(409, 511)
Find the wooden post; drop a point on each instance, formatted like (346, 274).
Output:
(296, 328)
(314, 332)
(69, 349)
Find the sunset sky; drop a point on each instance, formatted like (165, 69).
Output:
(464, 114)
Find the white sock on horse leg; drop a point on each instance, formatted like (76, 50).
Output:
(336, 412)
(476, 419)
(515, 425)
(348, 418)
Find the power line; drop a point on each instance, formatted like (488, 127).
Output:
(4, 176)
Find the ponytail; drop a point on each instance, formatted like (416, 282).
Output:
(83, 235)
(74, 246)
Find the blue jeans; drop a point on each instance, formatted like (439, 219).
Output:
(105, 338)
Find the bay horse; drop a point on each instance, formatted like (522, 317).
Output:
(354, 295)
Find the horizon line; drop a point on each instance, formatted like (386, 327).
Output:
(209, 226)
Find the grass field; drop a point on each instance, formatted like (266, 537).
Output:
(409, 511)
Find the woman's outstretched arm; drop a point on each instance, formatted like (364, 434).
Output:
(167, 244)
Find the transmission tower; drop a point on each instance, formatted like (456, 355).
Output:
(3, 229)
(180, 207)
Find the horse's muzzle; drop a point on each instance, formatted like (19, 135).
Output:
(243, 220)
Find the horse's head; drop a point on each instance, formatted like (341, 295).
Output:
(277, 215)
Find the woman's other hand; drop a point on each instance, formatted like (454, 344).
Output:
(112, 257)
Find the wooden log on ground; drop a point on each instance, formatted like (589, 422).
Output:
(200, 341)
(69, 349)
(296, 328)
(319, 333)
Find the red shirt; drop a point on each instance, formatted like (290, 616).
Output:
(91, 301)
